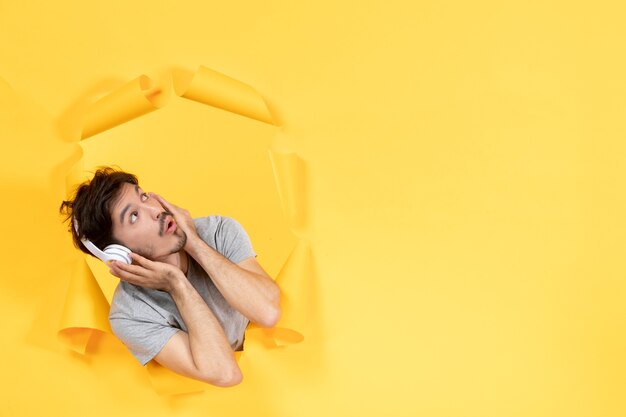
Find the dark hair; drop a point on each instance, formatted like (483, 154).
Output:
(91, 207)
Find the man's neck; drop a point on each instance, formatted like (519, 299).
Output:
(179, 259)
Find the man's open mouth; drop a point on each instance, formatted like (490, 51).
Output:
(171, 226)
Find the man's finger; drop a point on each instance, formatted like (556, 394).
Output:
(125, 275)
(165, 203)
(132, 269)
(157, 197)
(141, 260)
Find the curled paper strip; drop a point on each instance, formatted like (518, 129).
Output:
(138, 97)
(85, 310)
(144, 95)
(290, 180)
(294, 280)
(218, 90)
(90, 292)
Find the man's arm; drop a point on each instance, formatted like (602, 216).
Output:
(204, 353)
(251, 291)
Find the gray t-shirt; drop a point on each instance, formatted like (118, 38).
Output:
(145, 319)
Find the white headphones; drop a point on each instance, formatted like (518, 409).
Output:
(112, 252)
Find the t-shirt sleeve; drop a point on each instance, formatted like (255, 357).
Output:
(234, 240)
(144, 334)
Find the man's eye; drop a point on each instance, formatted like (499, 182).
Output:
(131, 217)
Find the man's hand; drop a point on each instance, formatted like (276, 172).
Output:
(183, 220)
(147, 273)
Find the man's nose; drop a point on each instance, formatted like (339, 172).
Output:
(155, 212)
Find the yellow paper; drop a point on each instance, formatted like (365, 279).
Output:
(463, 165)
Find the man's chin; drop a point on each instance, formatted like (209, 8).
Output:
(182, 240)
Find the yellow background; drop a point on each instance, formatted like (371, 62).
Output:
(465, 162)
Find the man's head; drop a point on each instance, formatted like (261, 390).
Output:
(112, 208)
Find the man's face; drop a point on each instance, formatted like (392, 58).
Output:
(140, 222)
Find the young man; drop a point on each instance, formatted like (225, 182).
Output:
(193, 285)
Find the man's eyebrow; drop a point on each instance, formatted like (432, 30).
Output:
(128, 206)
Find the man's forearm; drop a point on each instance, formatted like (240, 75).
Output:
(253, 295)
(210, 349)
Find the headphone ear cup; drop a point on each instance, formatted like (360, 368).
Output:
(118, 253)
